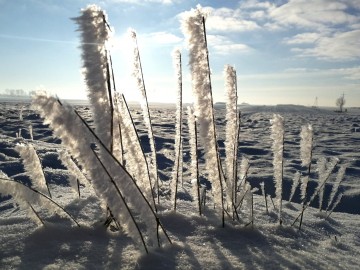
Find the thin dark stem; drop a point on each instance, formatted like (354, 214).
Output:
(197, 167)
(266, 203)
(78, 186)
(235, 165)
(282, 176)
(111, 104)
(36, 214)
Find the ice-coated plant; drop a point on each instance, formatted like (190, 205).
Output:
(194, 165)
(336, 185)
(177, 169)
(33, 167)
(306, 147)
(277, 135)
(231, 140)
(193, 27)
(139, 78)
(133, 156)
(77, 175)
(321, 168)
(29, 197)
(294, 184)
(95, 34)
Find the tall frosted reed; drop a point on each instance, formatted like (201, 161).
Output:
(139, 77)
(94, 34)
(133, 155)
(335, 187)
(193, 27)
(177, 170)
(194, 166)
(33, 167)
(306, 144)
(277, 135)
(231, 140)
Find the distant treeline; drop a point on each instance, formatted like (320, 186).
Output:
(16, 93)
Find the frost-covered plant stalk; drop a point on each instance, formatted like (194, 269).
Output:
(31, 132)
(323, 179)
(94, 33)
(294, 185)
(306, 145)
(193, 27)
(33, 167)
(177, 170)
(133, 153)
(262, 186)
(321, 167)
(336, 185)
(277, 135)
(231, 140)
(139, 77)
(26, 197)
(78, 176)
(194, 166)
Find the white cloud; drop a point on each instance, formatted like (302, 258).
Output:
(226, 24)
(161, 38)
(228, 20)
(350, 73)
(336, 47)
(223, 46)
(166, 2)
(313, 14)
(303, 38)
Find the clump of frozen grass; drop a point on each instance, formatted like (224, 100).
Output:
(110, 180)
(277, 135)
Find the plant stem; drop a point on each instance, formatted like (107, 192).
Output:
(36, 214)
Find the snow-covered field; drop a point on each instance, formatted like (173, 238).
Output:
(198, 242)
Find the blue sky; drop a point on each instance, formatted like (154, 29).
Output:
(285, 52)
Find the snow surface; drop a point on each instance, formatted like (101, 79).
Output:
(198, 242)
